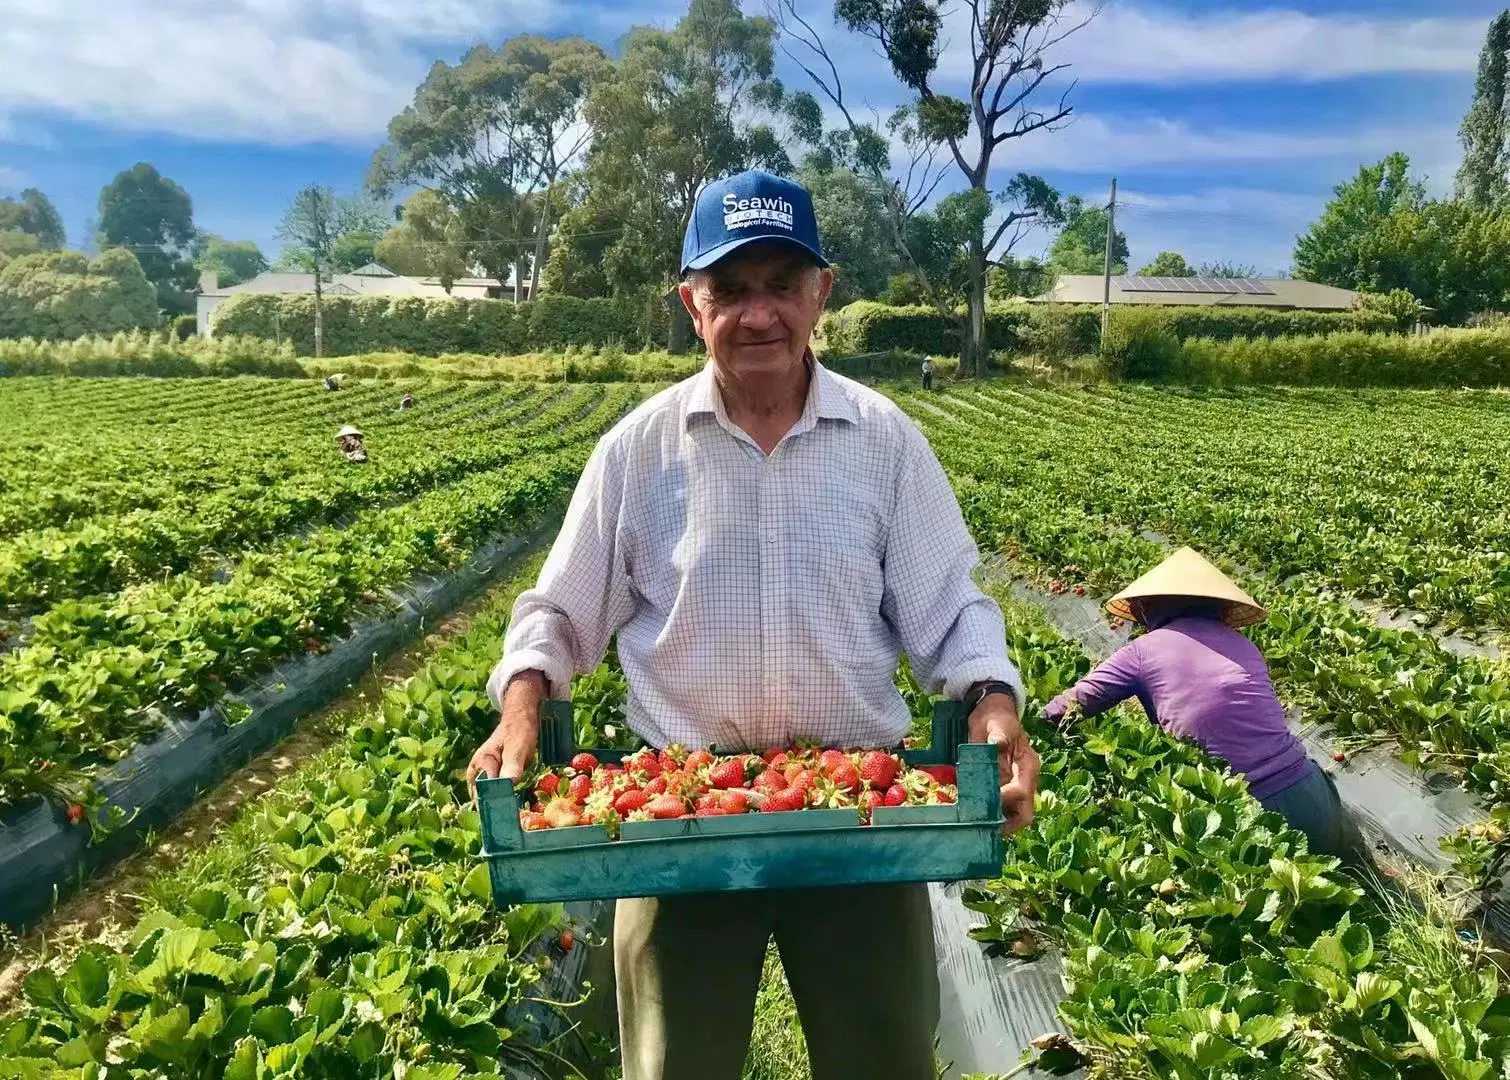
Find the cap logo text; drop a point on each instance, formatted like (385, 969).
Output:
(742, 213)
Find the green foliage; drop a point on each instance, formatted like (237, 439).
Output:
(184, 327)
(62, 295)
(856, 235)
(1227, 269)
(153, 217)
(427, 241)
(1168, 264)
(148, 353)
(335, 232)
(1446, 358)
(14, 242)
(1013, 279)
(362, 324)
(233, 261)
(1080, 247)
(351, 251)
(1482, 181)
(1140, 343)
(872, 327)
(1345, 246)
(33, 214)
(1398, 305)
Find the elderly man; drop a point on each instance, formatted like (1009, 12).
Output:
(763, 538)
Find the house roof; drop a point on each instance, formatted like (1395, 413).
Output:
(1276, 292)
(364, 282)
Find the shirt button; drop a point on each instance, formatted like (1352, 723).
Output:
(770, 538)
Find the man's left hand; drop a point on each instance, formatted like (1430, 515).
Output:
(995, 721)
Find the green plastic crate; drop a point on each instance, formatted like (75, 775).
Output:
(806, 848)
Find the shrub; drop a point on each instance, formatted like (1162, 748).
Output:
(146, 353)
(1399, 306)
(436, 327)
(61, 295)
(1140, 344)
(184, 327)
(1443, 358)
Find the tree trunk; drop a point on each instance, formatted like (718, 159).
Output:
(974, 354)
(679, 332)
(538, 264)
(319, 314)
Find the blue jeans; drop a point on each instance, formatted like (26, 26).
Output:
(1312, 806)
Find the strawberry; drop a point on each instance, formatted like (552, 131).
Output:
(846, 776)
(672, 757)
(879, 769)
(785, 799)
(75, 813)
(736, 801)
(829, 759)
(869, 800)
(630, 801)
(547, 784)
(530, 820)
(565, 941)
(579, 787)
(584, 763)
(1339, 756)
(1079, 590)
(663, 807)
(896, 795)
(944, 774)
(657, 785)
(774, 757)
(728, 774)
(708, 806)
(770, 781)
(643, 761)
(804, 779)
(697, 759)
(942, 795)
(561, 813)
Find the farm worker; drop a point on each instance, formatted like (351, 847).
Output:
(762, 538)
(406, 402)
(332, 382)
(349, 439)
(928, 373)
(1198, 678)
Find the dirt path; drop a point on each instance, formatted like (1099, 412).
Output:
(111, 903)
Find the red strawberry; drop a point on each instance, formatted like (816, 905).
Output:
(944, 774)
(736, 801)
(547, 784)
(579, 787)
(869, 800)
(942, 795)
(530, 820)
(896, 795)
(879, 769)
(846, 776)
(666, 806)
(630, 801)
(584, 762)
(770, 781)
(657, 785)
(774, 757)
(1338, 756)
(803, 779)
(728, 774)
(1079, 590)
(672, 757)
(697, 759)
(829, 759)
(561, 813)
(565, 941)
(75, 813)
(785, 799)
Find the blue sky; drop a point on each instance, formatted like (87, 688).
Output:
(1226, 124)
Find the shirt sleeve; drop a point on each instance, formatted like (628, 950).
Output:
(1117, 679)
(952, 632)
(563, 625)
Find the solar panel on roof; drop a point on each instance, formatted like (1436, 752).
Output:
(1217, 286)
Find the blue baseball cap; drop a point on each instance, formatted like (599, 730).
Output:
(746, 207)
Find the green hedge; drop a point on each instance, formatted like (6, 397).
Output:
(363, 324)
(1443, 358)
(142, 352)
(866, 326)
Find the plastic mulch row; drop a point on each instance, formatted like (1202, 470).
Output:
(43, 857)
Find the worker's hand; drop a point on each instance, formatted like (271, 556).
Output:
(995, 721)
(507, 752)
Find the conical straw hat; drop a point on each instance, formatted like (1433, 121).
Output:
(349, 430)
(1187, 574)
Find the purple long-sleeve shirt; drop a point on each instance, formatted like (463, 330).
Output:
(1200, 679)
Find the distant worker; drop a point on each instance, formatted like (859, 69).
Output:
(928, 370)
(332, 382)
(1199, 679)
(406, 402)
(349, 439)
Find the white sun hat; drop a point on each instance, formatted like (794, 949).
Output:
(1185, 574)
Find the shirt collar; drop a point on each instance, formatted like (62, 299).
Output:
(826, 399)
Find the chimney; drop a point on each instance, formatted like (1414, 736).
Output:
(209, 281)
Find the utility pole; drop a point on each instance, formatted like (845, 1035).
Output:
(1111, 232)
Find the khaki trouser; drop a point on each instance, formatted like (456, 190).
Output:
(859, 961)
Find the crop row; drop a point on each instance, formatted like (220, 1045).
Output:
(1199, 939)
(1396, 498)
(96, 675)
(140, 460)
(1043, 505)
(344, 930)
(106, 553)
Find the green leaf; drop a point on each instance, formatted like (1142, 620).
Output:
(1260, 1030)
(1371, 989)
(245, 1062)
(478, 884)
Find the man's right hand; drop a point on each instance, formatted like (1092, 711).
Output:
(507, 752)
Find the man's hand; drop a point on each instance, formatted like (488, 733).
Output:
(995, 721)
(507, 752)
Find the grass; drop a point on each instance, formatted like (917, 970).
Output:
(777, 1049)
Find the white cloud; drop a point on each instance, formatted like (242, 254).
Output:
(11, 179)
(281, 72)
(1147, 44)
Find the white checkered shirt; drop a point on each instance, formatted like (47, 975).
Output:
(761, 599)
